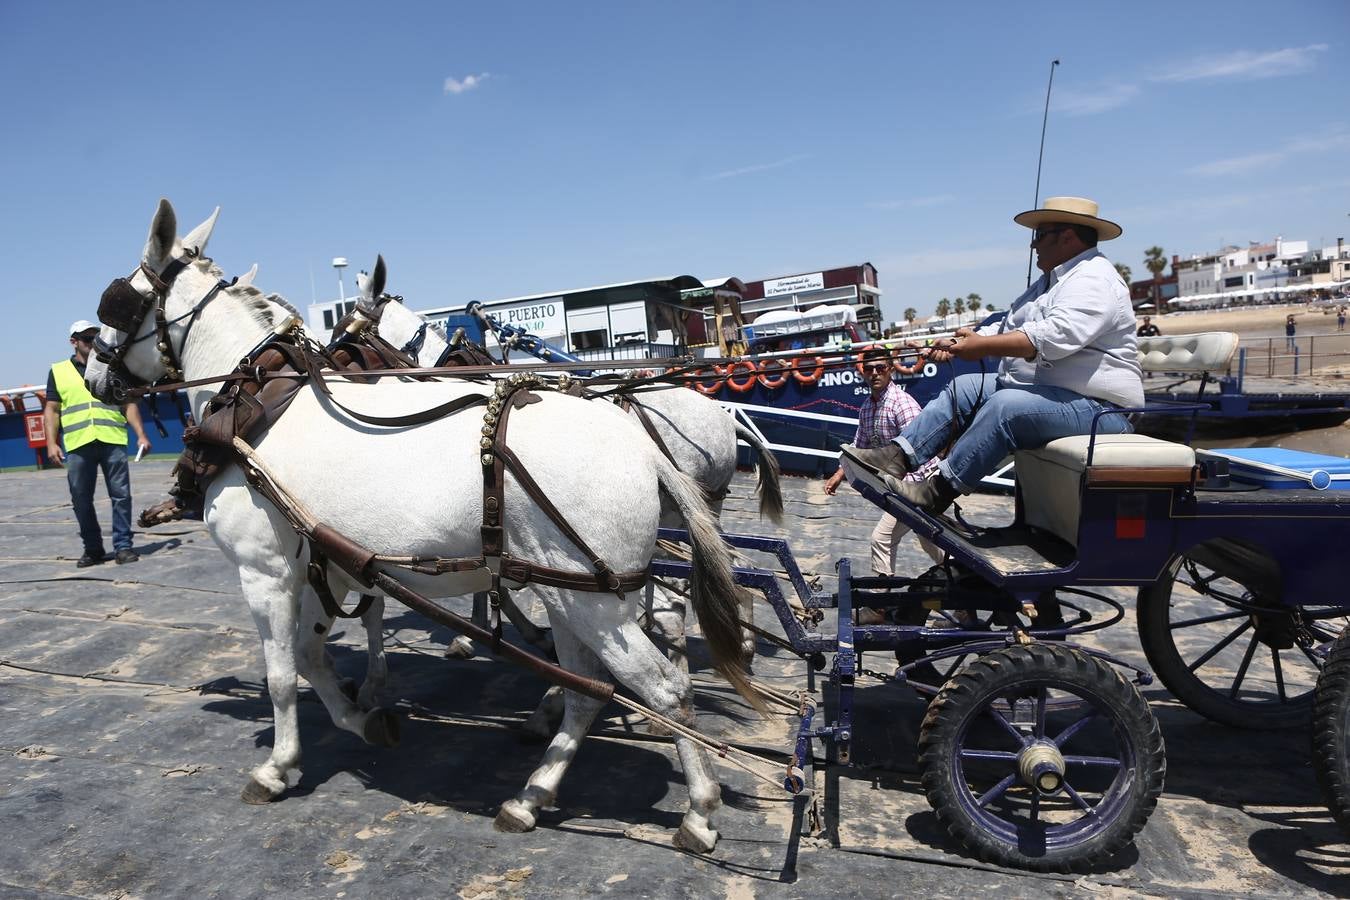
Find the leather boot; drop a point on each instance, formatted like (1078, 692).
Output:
(887, 459)
(933, 494)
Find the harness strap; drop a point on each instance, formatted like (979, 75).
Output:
(630, 404)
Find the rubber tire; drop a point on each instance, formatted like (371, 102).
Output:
(1331, 731)
(995, 674)
(1152, 613)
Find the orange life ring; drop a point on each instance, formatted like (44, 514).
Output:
(699, 380)
(773, 372)
(808, 369)
(743, 367)
(6, 403)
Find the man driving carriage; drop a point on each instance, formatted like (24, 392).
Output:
(1068, 352)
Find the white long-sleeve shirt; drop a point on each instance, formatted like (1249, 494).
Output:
(1079, 319)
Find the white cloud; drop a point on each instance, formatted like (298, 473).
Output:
(761, 167)
(1244, 64)
(467, 83)
(1103, 98)
(1234, 165)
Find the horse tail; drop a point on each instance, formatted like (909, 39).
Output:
(713, 588)
(769, 471)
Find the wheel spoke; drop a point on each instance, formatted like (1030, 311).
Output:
(996, 791)
(1279, 675)
(1217, 648)
(1205, 620)
(1022, 740)
(1067, 734)
(1041, 699)
(1083, 804)
(1242, 669)
(1104, 761)
(1317, 661)
(988, 754)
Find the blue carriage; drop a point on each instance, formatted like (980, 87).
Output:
(1037, 749)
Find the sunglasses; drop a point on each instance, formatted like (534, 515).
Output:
(1043, 233)
(878, 367)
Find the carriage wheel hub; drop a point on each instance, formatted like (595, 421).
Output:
(1041, 765)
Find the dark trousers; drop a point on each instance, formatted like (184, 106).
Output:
(82, 465)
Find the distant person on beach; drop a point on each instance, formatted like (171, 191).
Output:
(1067, 352)
(1148, 329)
(884, 412)
(1340, 319)
(1290, 329)
(94, 435)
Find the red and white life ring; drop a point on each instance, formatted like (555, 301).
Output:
(747, 374)
(708, 381)
(807, 369)
(774, 372)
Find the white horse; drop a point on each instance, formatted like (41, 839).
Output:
(698, 433)
(589, 459)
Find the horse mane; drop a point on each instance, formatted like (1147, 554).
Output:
(261, 306)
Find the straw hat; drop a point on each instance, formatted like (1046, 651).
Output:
(1069, 211)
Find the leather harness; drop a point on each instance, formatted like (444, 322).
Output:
(246, 406)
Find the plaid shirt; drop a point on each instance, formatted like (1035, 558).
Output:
(879, 423)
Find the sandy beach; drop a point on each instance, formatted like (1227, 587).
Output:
(1262, 332)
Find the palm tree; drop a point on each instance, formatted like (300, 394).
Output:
(944, 307)
(910, 315)
(1125, 274)
(973, 304)
(989, 307)
(1155, 262)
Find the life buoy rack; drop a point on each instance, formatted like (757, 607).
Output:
(807, 369)
(708, 381)
(774, 372)
(747, 372)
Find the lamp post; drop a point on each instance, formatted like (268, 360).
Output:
(340, 263)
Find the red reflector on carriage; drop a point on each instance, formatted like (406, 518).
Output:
(1129, 529)
(1130, 510)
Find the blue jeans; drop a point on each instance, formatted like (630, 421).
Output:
(82, 465)
(1009, 418)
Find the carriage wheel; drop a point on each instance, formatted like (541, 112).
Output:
(1331, 731)
(1041, 757)
(1226, 652)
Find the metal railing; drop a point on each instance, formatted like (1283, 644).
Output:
(1319, 355)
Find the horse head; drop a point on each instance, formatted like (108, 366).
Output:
(148, 314)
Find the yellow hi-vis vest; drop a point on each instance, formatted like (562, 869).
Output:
(84, 419)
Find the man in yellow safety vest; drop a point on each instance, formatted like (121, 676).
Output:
(95, 436)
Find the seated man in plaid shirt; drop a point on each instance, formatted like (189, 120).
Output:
(887, 410)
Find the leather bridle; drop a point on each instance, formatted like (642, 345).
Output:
(124, 307)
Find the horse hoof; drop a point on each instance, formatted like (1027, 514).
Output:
(255, 793)
(695, 840)
(381, 728)
(348, 688)
(513, 818)
(460, 648)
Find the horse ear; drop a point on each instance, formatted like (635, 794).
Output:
(246, 279)
(195, 242)
(378, 278)
(163, 233)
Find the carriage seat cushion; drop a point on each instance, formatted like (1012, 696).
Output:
(1208, 351)
(1050, 477)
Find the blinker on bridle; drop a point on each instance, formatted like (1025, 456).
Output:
(124, 308)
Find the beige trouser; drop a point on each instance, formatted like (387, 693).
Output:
(886, 537)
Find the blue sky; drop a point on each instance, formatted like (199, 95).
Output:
(493, 150)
